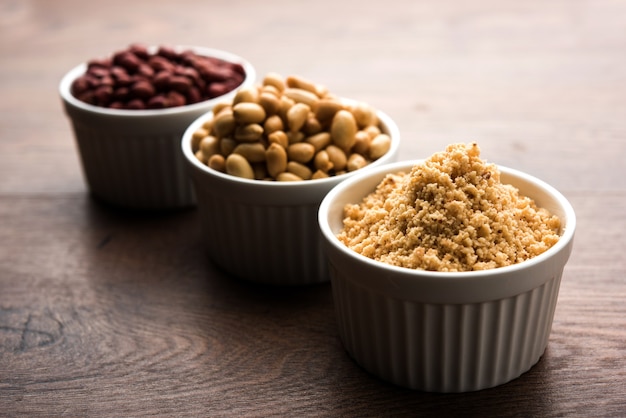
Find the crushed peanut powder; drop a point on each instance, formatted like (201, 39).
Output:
(450, 213)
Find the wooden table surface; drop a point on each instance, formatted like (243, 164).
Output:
(105, 312)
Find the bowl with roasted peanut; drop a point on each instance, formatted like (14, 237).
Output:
(261, 164)
(446, 271)
(129, 110)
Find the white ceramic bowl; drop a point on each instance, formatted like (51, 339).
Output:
(444, 332)
(267, 231)
(132, 158)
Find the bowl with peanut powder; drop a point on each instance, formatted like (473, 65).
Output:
(128, 111)
(261, 164)
(446, 271)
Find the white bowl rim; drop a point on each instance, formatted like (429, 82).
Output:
(391, 126)
(66, 84)
(565, 239)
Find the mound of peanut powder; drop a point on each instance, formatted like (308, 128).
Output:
(450, 213)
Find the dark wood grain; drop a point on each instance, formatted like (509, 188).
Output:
(105, 312)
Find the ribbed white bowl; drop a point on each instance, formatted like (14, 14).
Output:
(132, 158)
(444, 332)
(266, 231)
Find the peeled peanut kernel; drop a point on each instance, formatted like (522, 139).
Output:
(254, 152)
(295, 137)
(301, 152)
(217, 162)
(270, 103)
(216, 110)
(276, 158)
(337, 157)
(260, 172)
(268, 89)
(319, 174)
(285, 105)
(274, 79)
(247, 95)
(319, 141)
(279, 137)
(326, 109)
(343, 130)
(301, 83)
(364, 115)
(237, 165)
(322, 161)
(272, 124)
(312, 126)
(197, 136)
(302, 96)
(209, 145)
(248, 113)
(379, 146)
(200, 156)
(372, 131)
(297, 116)
(291, 130)
(224, 124)
(355, 161)
(287, 176)
(248, 133)
(227, 145)
(299, 170)
(362, 142)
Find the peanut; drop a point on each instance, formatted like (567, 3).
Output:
(301, 152)
(297, 116)
(379, 146)
(343, 130)
(276, 158)
(246, 112)
(237, 165)
(289, 130)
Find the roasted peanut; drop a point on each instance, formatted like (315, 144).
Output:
(209, 145)
(246, 95)
(319, 141)
(270, 103)
(217, 162)
(379, 146)
(287, 176)
(299, 170)
(343, 130)
(274, 79)
(290, 130)
(279, 137)
(224, 124)
(246, 112)
(297, 116)
(301, 83)
(301, 152)
(254, 152)
(272, 124)
(302, 96)
(248, 133)
(276, 158)
(322, 161)
(326, 110)
(355, 161)
(362, 140)
(237, 165)
(337, 157)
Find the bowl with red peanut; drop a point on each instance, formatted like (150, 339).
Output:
(261, 164)
(128, 112)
